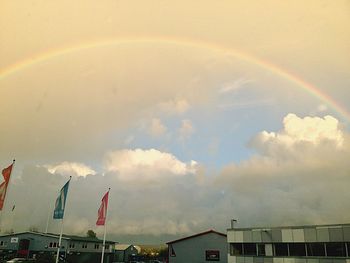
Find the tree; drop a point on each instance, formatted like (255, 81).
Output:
(91, 233)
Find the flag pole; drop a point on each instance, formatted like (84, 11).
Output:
(59, 242)
(60, 239)
(6, 191)
(104, 234)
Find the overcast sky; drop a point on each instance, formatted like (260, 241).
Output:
(192, 112)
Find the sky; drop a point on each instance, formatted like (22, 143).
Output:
(193, 113)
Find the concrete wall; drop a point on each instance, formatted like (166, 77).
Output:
(192, 250)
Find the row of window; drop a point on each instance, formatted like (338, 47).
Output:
(72, 245)
(3, 243)
(331, 249)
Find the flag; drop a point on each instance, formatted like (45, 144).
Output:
(102, 211)
(6, 173)
(61, 202)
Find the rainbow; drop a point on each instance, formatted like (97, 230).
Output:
(274, 69)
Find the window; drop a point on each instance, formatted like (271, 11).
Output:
(2, 243)
(71, 245)
(107, 246)
(172, 251)
(335, 249)
(97, 246)
(236, 249)
(315, 249)
(297, 249)
(249, 249)
(261, 250)
(84, 245)
(281, 249)
(212, 255)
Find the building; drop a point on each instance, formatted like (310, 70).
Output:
(203, 247)
(295, 244)
(74, 248)
(124, 252)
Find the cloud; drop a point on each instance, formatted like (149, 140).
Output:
(311, 132)
(71, 169)
(157, 128)
(175, 106)
(298, 176)
(127, 163)
(235, 85)
(186, 130)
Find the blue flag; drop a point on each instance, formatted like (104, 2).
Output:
(61, 202)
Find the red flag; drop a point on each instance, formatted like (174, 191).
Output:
(6, 173)
(102, 211)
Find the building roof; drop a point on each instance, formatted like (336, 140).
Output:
(197, 235)
(288, 227)
(66, 237)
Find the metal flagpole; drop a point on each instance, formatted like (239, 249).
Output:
(59, 242)
(104, 234)
(6, 191)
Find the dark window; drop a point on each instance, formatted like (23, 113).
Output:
(50, 245)
(315, 249)
(212, 255)
(236, 249)
(297, 249)
(172, 251)
(335, 249)
(249, 249)
(107, 246)
(281, 249)
(261, 250)
(97, 246)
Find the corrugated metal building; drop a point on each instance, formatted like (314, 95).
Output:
(203, 247)
(294, 244)
(74, 248)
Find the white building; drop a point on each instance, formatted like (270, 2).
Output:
(294, 244)
(203, 247)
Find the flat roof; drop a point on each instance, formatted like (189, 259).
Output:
(64, 236)
(289, 227)
(197, 235)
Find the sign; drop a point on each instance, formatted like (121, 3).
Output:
(14, 239)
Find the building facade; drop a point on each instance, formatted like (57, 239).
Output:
(124, 252)
(209, 246)
(73, 248)
(297, 244)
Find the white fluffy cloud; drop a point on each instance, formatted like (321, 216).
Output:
(298, 176)
(308, 132)
(128, 163)
(71, 169)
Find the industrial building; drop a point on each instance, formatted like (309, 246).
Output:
(294, 244)
(73, 248)
(203, 247)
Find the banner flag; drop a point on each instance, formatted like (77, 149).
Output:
(61, 202)
(102, 211)
(6, 173)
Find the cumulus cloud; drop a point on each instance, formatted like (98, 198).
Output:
(157, 128)
(128, 163)
(186, 130)
(300, 175)
(71, 169)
